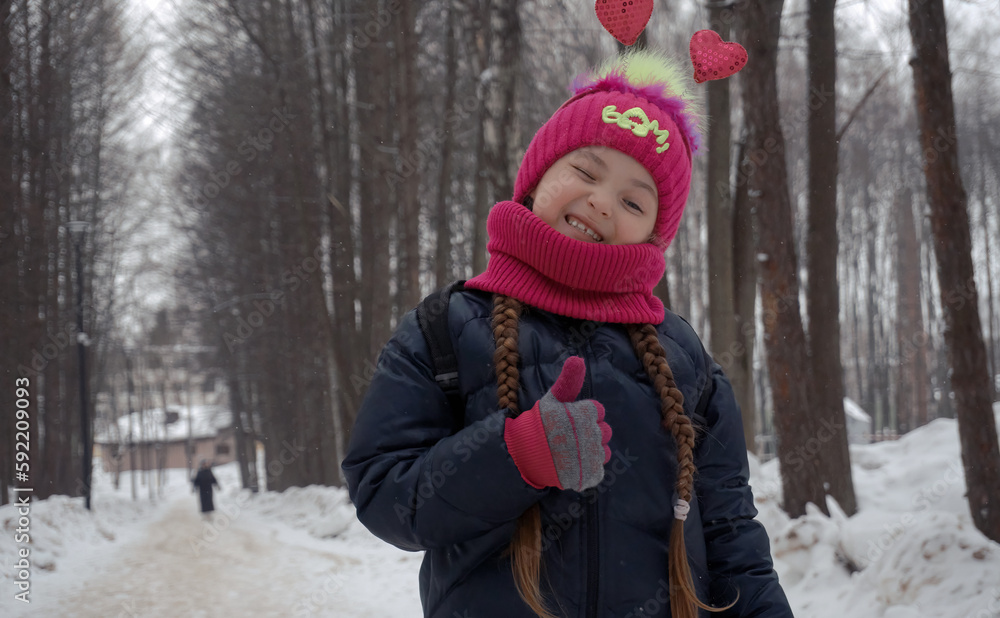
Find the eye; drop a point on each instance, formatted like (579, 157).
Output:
(584, 172)
(633, 206)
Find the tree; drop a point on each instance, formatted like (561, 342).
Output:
(442, 259)
(9, 279)
(719, 207)
(822, 242)
(745, 309)
(799, 431)
(63, 70)
(953, 252)
(910, 336)
(498, 108)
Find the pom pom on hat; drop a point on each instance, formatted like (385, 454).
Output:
(659, 79)
(639, 103)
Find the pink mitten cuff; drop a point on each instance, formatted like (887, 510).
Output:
(529, 448)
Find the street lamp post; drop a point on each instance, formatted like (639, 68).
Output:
(77, 229)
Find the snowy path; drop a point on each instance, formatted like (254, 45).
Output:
(183, 566)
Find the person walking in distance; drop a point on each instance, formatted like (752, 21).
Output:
(203, 482)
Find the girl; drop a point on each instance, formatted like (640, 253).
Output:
(599, 467)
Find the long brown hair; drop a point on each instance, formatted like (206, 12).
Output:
(526, 544)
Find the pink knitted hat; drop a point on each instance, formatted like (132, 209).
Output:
(638, 104)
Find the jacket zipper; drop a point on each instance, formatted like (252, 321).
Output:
(593, 539)
(592, 558)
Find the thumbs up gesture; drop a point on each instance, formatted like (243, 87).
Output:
(561, 442)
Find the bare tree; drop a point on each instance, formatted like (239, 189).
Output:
(745, 307)
(953, 251)
(910, 336)
(498, 105)
(66, 72)
(799, 431)
(9, 279)
(822, 244)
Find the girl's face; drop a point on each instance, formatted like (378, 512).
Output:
(598, 194)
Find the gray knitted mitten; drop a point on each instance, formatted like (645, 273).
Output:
(561, 442)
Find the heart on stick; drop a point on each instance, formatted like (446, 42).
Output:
(713, 58)
(624, 19)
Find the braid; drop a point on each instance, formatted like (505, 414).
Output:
(526, 544)
(684, 601)
(506, 311)
(653, 357)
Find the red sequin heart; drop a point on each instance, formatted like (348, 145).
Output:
(714, 59)
(624, 19)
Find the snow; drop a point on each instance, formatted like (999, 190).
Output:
(911, 550)
(854, 411)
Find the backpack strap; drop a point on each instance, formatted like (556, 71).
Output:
(432, 316)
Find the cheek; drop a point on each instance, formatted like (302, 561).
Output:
(546, 202)
(640, 230)
(545, 208)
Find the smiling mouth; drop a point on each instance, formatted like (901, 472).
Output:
(583, 228)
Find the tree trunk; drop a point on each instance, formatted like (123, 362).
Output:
(719, 207)
(745, 293)
(479, 41)
(991, 344)
(872, 373)
(953, 249)
(941, 385)
(376, 210)
(912, 340)
(347, 349)
(413, 161)
(822, 243)
(237, 408)
(499, 103)
(799, 432)
(442, 257)
(9, 278)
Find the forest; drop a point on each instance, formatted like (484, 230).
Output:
(266, 188)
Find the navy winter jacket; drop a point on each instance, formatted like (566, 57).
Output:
(422, 479)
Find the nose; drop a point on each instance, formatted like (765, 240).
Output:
(602, 203)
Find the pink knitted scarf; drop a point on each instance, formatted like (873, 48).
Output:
(532, 262)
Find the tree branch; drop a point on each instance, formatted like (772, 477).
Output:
(857, 108)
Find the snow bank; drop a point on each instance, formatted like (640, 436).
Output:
(323, 512)
(62, 525)
(911, 549)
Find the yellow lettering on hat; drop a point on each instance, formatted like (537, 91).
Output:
(636, 121)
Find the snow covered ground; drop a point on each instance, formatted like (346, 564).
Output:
(911, 550)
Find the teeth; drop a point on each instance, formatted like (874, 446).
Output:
(585, 229)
